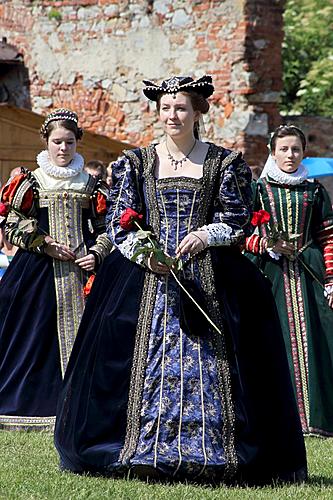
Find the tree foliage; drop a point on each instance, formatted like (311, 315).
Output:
(307, 54)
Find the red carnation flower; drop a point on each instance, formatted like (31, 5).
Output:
(260, 217)
(88, 285)
(128, 218)
(4, 209)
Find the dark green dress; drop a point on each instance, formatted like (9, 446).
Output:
(298, 286)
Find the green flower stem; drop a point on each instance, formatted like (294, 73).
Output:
(194, 302)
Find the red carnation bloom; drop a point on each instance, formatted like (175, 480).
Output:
(128, 218)
(88, 285)
(260, 217)
(4, 209)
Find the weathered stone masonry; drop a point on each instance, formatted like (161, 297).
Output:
(91, 56)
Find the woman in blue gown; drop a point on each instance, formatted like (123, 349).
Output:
(41, 294)
(152, 387)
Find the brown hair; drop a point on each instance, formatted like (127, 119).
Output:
(96, 165)
(67, 124)
(285, 131)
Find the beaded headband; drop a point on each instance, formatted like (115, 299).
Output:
(202, 86)
(59, 115)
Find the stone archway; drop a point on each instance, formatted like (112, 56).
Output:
(14, 77)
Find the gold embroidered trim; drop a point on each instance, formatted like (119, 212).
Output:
(65, 226)
(9, 422)
(179, 182)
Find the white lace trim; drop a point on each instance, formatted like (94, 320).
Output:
(328, 289)
(73, 168)
(273, 255)
(129, 246)
(274, 172)
(219, 234)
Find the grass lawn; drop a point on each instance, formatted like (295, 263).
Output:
(29, 471)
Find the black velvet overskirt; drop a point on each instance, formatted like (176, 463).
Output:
(92, 410)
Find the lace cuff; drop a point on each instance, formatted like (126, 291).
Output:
(328, 289)
(272, 254)
(129, 246)
(220, 234)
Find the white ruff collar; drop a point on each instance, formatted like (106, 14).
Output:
(272, 170)
(73, 168)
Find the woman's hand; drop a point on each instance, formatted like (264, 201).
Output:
(193, 243)
(57, 250)
(157, 267)
(283, 247)
(87, 262)
(330, 299)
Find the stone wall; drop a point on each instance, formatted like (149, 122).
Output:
(91, 56)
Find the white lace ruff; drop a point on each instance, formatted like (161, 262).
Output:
(73, 168)
(272, 170)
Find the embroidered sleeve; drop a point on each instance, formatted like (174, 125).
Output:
(21, 225)
(125, 193)
(231, 219)
(324, 231)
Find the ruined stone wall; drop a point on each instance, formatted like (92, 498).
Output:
(91, 56)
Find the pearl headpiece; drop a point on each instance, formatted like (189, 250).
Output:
(59, 115)
(202, 86)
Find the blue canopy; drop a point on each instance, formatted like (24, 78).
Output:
(318, 167)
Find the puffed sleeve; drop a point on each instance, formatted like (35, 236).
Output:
(99, 208)
(323, 232)
(125, 193)
(233, 208)
(21, 225)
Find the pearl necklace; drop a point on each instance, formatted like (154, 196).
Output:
(179, 163)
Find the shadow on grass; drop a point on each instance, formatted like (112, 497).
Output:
(315, 480)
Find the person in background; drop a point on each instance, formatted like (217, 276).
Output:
(96, 168)
(154, 387)
(41, 293)
(294, 249)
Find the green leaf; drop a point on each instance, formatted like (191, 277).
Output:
(36, 242)
(140, 251)
(143, 235)
(159, 255)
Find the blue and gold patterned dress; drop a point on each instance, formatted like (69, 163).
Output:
(151, 386)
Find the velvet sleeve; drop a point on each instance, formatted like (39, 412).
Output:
(20, 195)
(233, 208)
(323, 230)
(125, 193)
